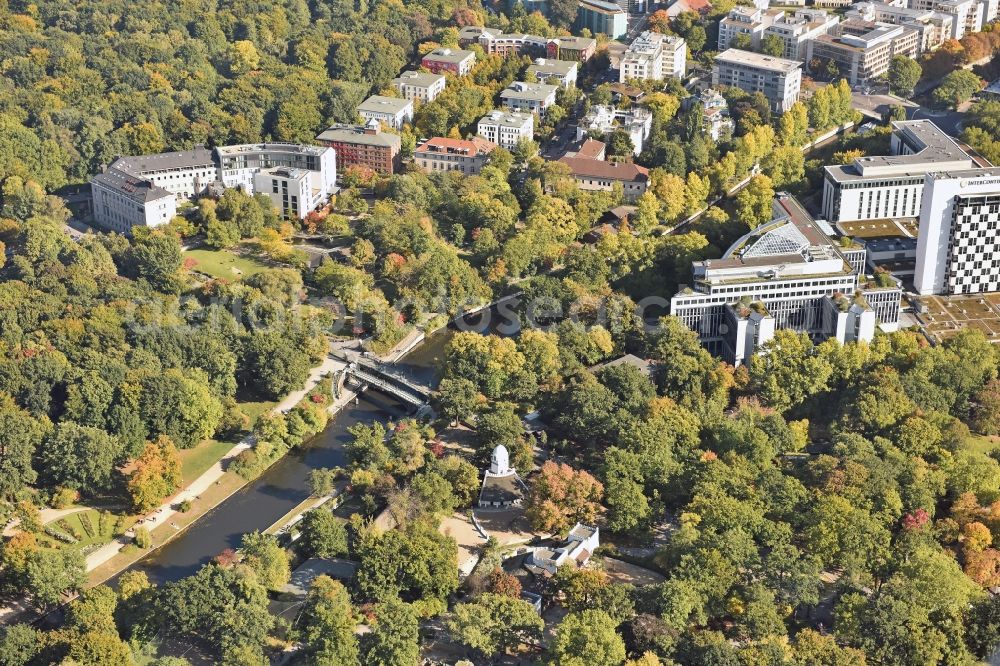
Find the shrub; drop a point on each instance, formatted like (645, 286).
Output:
(142, 538)
(247, 464)
(66, 527)
(87, 525)
(59, 536)
(63, 497)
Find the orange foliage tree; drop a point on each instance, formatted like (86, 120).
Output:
(561, 496)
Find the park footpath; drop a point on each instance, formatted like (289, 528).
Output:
(162, 515)
(165, 512)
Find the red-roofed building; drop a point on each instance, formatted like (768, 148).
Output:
(592, 149)
(467, 156)
(591, 174)
(681, 6)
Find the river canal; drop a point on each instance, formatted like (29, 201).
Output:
(283, 486)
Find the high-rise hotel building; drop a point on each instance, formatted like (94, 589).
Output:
(958, 246)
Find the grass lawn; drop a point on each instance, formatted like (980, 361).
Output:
(196, 460)
(255, 408)
(223, 264)
(228, 484)
(983, 443)
(86, 526)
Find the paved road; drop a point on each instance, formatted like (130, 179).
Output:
(949, 121)
(875, 105)
(637, 23)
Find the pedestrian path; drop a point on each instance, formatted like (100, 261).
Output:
(163, 514)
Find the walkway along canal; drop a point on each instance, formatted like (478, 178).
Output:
(284, 485)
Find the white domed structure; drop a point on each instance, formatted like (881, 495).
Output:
(502, 487)
(500, 461)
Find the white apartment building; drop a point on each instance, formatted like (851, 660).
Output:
(796, 30)
(958, 246)
(886, 187)
(555, 72)
(933, 27)
(295, 192)
(778, 78)
(506, 128)
(715, 113)
(391, 111)
(674, 57)
(751, 21)
(653, 56)
(862, 50)
(129, 193)
(967, 15)
(444, 154)
(784, 274)
(529, 97)
(122, 201)
(637, 121)
(238, 163)
(419, 85)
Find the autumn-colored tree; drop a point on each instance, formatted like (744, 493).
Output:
(227, 558)
(157, 474)
(561, 496)
(966, 508)
(659, 21)
(753, 203)
(976, 537)
(504, 583)
(580, 586)
(983, 567)
(847, 156)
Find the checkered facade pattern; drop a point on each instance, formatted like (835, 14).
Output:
(974, 246)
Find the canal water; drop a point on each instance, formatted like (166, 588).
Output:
(285, 485)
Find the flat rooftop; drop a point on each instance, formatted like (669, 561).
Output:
(538, 92)
(357, 134)
(901, 227)
(757, 60)
(574, 43)
(474, 32)
(604, 6)
(550, 66)
(285, 172)
(992, 172)
(448, 55)
(425, 79)
(930, 149)
(382, 104)
(895, 244)
(944, 316)
(507, 118)
(246, 148)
